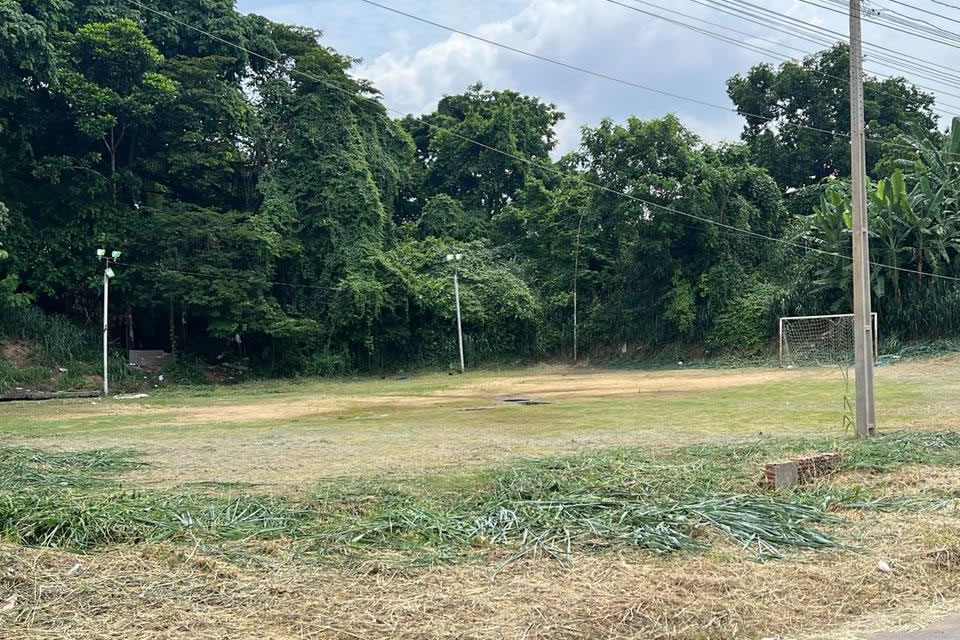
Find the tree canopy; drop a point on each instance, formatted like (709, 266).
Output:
(268, 207)
(798, 116)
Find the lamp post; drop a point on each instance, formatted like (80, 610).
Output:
(107, 274)
(455, 258)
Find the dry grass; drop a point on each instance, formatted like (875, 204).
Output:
(906, 482)
(271, 592)
(273, 589)
(286, 437)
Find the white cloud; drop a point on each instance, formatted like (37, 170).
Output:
(414, 64)
(588, 33)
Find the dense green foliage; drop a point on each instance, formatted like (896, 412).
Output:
(268, 208)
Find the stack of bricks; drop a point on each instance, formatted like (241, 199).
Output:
(816, 466)
(787, 473)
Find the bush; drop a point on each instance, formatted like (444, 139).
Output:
(747, 322)
(54, 342)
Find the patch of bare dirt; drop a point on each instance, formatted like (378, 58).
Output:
(571, 383)
(561, 384)
(17, 352)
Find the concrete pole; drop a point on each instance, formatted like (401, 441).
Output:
(106, 293)
(863, 325)
(456, 295)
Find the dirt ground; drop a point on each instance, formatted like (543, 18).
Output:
(287, 440)
(292, 437)
(164, 592)
(15, 352)
(555, 384)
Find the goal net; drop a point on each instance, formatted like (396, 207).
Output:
(819, 340)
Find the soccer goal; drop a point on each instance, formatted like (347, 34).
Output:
(819, 340)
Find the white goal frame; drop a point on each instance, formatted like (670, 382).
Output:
(782, 338)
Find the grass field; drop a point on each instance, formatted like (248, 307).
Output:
(617, 504)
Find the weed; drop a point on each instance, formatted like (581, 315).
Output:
(548, 507)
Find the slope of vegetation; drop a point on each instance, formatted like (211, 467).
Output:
(268, 209)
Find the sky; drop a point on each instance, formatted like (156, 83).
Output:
(416, 64)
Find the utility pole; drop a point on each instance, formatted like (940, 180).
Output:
(863, 325)
(107, 274)
(576, 270)
(455, 258)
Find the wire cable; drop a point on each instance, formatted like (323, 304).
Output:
(946, 4)
(798, 22)
(882, 23)
(591, 72)
(823, 41)
(822, 36)
(928, 12)
(550, 168)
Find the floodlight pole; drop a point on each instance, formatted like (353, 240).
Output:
(863, 325)
(455, 259)
(107, 274)
(106, 293)
(456, 295)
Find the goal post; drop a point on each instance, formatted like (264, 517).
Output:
(819, 340)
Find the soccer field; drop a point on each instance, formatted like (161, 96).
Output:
(282, 434)
(489, 505)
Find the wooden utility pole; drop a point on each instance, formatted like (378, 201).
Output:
(863, 325)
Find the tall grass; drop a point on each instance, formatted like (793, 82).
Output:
(551, 507)
(54, 342)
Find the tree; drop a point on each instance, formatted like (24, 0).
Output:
(326, 159)
(660, 275)
(798, 116)
(111, 84)
(9, 281)
(483, 180)
(444, 217)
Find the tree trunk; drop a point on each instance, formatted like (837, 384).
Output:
(173, 331)
(131, 343)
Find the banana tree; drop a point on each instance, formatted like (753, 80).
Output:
(829, 229)
(891, 238)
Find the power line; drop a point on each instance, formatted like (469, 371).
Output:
(836, 34)
(824, 41)
(551, 168)
(928, 12)
(913, 22)
(915, 32)
(590, 72)
(789, 24)
(630, 83)
(946, 4)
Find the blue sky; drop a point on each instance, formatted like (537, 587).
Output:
(416, 64)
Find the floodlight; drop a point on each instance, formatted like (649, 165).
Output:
(116, 255)
(109, 272)
(101, 253)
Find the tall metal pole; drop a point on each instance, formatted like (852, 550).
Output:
(863, 325)
(106, 293)
(456, 295)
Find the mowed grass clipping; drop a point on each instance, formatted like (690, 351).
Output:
(553, 507)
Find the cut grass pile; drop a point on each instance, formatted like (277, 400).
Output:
(686, 500)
